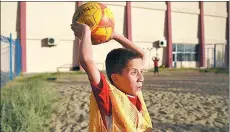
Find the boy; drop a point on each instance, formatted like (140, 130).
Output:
(156, 69)
(117, 106)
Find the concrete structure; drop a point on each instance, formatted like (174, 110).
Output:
(196, 33)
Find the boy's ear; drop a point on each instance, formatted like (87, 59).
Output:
(114, 77)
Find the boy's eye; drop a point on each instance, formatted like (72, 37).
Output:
(134, 72)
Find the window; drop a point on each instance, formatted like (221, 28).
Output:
(174, 48)
(193, 57)
(196, 56)
(180, 48)
(179, 56)
(187, 57)
(173, 57)
(185, 52)
(187, 48)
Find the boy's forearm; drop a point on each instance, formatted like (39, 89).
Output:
(129, 44)
(85, 49)
(86, 58)
(83, 32)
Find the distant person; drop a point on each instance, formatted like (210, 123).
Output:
(156, 68)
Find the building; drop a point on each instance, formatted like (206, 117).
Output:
(196, 33)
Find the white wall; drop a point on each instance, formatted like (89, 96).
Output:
(185, 22)
(215, 22)
(185, 28)
(49, 19)
(9, 11)
(187, 64)
(148, 26)
(215, 30)
(9, 23)
(185, 7)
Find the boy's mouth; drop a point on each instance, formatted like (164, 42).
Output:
(139, 87)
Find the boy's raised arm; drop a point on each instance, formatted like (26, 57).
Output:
(128, 44)
(83, 32)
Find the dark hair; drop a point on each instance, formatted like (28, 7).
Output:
(117, 59)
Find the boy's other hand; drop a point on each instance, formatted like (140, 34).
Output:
(79, 29)
(113, 36)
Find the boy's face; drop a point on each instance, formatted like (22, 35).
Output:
(130, 81)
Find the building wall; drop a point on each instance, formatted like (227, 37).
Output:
(215, 54)
(187, 64)
(185, 22)
(5, 57)
(53, 19)
(49, 19)
(9, 25)
(215, 22)
(215, 16)
(185, 27)
(148, 26)
(9, 18)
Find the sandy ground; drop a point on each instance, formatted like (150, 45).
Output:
(176, 101)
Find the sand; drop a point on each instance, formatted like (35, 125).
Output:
(172, 109)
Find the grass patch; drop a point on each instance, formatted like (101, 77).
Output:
(179, 69)
(26, 104)
(212, 70)
(216, 70)
(46, 76)
(174, 69)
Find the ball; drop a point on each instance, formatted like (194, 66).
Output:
(99, 18)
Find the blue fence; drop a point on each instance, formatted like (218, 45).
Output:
(10, 59)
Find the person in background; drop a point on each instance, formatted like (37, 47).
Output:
(156, 67)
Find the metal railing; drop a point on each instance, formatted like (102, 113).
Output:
(10, 59)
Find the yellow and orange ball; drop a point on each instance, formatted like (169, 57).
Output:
(99, 18)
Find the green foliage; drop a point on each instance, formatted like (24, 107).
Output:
(212, 70)
(216, 70)
(26, 105)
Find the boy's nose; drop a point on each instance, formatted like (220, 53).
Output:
(140, 77)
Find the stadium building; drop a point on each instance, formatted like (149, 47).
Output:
(181, 34)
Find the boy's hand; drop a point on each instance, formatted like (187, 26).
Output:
(113, 36)
(79, 29)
